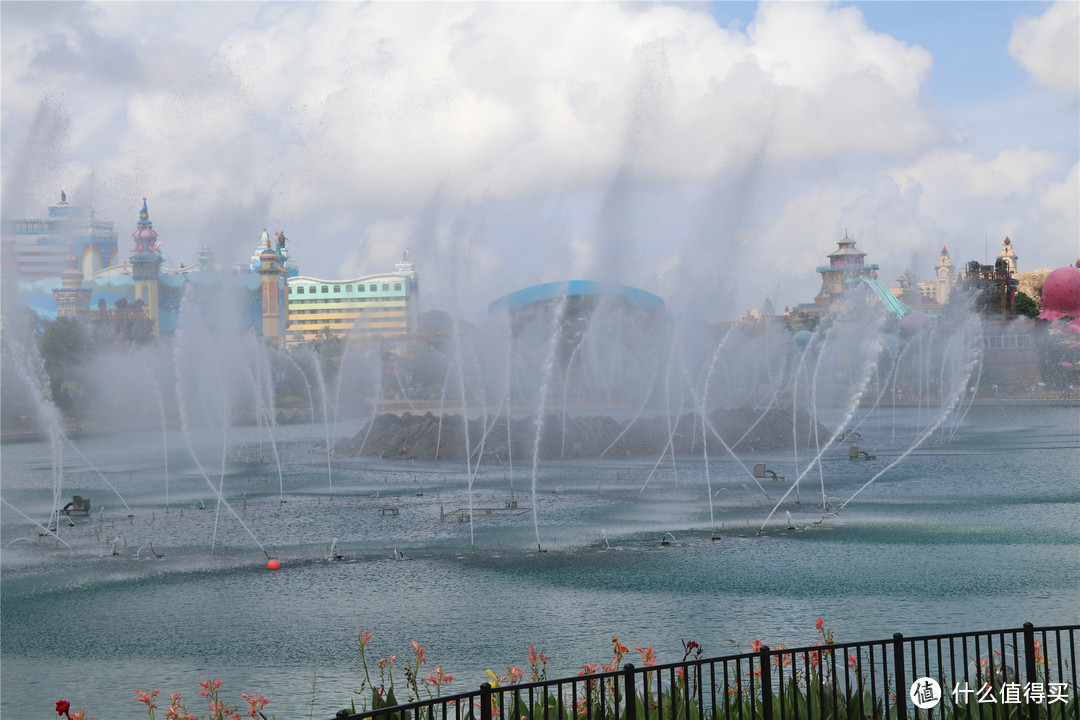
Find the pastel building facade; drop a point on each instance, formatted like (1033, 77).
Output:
(140, 285)
(362, 309)
(91, 284)
(41, 247)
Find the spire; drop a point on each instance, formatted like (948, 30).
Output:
(1008, 254)
(144, 235)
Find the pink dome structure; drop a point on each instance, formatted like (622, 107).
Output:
(1061, 294)
(913, 323)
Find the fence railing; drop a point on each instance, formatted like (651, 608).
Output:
(1025, 673)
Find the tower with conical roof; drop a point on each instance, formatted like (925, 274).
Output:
(1008, 254)
(844, 262)
(146, 262)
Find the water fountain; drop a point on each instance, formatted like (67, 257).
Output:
(680, 431)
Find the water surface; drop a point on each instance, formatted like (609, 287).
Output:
(976, 529)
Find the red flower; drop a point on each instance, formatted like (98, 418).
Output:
(819, 623)
(62, 707)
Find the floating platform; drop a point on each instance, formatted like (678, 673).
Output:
(510, 509)
(761, 472)
(854, 453)
(78, 504)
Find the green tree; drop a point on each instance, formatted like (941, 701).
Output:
(63, 347)
(1023, 304)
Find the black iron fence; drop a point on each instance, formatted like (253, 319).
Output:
(1023, 673)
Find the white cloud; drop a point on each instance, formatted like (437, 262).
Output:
(1048, 46)
(1023, 193)
(1061, 208)
(809, 45)
(500, 141)
(514, 99)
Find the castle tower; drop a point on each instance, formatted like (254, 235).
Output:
(272, 271)
(206, 259)
(1008, 255)
(72, 299)
(146, 266)
(945, 277)
(844, 262)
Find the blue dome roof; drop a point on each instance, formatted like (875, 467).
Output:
(574, 288)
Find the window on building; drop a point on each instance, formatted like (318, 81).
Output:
(386, 287)
(337, 288)
(326, 288)
(299, 289)
(373, 287)
(348, 288)
(397, 287)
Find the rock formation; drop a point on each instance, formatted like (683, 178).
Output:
(421, 437)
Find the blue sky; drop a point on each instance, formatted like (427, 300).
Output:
(709, 153)
(974, 76)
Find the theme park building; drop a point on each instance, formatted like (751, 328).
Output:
(362, 308)
(41, 248)
(144, 297)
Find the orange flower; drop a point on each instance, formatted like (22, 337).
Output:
(146, 699)
(648, 657)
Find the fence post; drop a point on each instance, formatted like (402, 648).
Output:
(901, 683)
(485, 701)
(1029, 663)
(766, 683)
(628, 691)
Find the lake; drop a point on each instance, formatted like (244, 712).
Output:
(978, 528)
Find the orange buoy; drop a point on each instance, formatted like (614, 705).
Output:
(273, 564)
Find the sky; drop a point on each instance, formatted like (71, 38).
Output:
(710, 153)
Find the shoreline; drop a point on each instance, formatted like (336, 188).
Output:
(400, 408)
